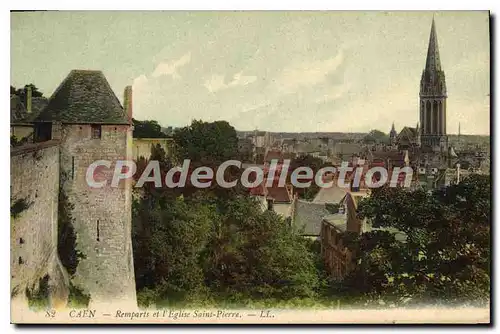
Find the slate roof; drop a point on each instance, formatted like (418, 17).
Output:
(332, 194)
(84, 97)
(339, 220)
(347, 148)
(309, 215)
(407, 133)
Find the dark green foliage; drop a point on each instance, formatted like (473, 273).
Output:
(38, 296)
(15, 142)
(18, 207)
(254, 254)
(446, 255)
(77, 298)
(185, 249)
(66, 245)
(23, 91)
(147, 129)
(376, 136)
(206, 144)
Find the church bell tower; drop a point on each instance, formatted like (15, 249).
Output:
(433, 99)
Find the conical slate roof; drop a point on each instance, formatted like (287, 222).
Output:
(433, 62)
(84, 97)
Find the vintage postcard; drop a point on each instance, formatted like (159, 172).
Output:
(181, 167)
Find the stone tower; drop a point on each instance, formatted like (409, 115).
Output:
(88, 119)
(433, 99)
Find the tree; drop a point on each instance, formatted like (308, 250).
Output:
(147, 129)
(256, 255)
(376, 136)
(21, 92)
(213, 243)
(446, 255)
(206, 144)
(168, 239)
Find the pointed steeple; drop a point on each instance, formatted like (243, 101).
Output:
(433, 82)
(433, 62)
(393, 132)
(433, 97)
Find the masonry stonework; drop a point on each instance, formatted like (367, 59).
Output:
(34, 179)
(83, 122)
(102, 215)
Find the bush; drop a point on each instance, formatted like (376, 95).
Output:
(77, 298)
(38, 296)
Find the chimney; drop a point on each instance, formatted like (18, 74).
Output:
(29, 95)
(127, 102)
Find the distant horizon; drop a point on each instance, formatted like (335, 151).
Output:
(313, 132)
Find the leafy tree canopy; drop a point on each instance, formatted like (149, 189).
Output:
(446, 254)
(23, 91)
(376, 136)
(206, 143)
(147, 129)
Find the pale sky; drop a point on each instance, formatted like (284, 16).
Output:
(275, 71)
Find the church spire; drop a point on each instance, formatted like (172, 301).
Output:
(393, 134)
(433, 97)
(433, 62)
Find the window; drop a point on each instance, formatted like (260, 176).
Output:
(96, 132)
(98, 231)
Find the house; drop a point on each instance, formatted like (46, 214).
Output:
(338, 259)
(142, 147)
(333, 194)
(273, 197)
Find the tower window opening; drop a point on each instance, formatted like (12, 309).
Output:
(96, 131)
(98, 230)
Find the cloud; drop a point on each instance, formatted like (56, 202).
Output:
(307, 73)
(171, 67)
(333, 94)
(140, 82)
(216, 82)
